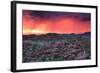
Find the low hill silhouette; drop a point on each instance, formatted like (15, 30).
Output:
(55, 36)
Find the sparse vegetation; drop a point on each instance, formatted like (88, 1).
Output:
(56, 47)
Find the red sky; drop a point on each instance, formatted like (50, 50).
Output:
(42, 23)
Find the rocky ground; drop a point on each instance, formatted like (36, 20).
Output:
(56, 50)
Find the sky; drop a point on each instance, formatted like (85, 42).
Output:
(42, 22)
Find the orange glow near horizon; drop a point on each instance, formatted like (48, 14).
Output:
(63, 25)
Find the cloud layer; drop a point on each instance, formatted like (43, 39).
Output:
(41, 22)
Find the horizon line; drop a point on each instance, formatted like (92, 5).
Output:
(56, 33)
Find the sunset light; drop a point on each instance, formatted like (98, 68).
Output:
(38, 32)
(42, 22)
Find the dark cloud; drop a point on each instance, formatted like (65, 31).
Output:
(54, 15)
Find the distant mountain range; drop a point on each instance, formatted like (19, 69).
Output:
(51, 36)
